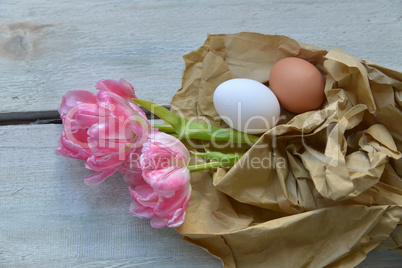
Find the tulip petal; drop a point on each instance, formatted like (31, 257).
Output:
(144, 199)
(167, 207)
(73, 148)
(178, 218)
(158, 222)
(168, 180)
(140, 211)
(122, 87)
(73, 98)
(97, 177)
(170, 143)
(113, 160)
(131, 175)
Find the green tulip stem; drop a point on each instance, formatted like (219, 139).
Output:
(164, 128)
(187, 129)
(204, 166)
(217, 160)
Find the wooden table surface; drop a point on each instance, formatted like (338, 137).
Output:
(49, 217)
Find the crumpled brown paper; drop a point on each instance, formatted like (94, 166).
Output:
(328, 186)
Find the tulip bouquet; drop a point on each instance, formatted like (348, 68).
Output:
(111, 133)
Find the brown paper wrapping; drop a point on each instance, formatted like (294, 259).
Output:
(328, 188)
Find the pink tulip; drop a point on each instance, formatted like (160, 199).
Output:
(121, 88)
(78, 111)
(103, 129)
(163, 193)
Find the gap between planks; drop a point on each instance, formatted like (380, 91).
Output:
(45, 117)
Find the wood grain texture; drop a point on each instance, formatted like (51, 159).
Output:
(50, 218)
(49, 47)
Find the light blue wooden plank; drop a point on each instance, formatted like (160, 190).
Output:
(49, 217)
(49, 47)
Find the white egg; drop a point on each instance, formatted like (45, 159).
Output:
(246, 105)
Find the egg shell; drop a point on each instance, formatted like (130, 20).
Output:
(246, 105)
(298, 84)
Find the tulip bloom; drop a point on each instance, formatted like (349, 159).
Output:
(103, 129)
(163, 192)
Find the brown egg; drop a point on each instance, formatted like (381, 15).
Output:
(298, 85)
